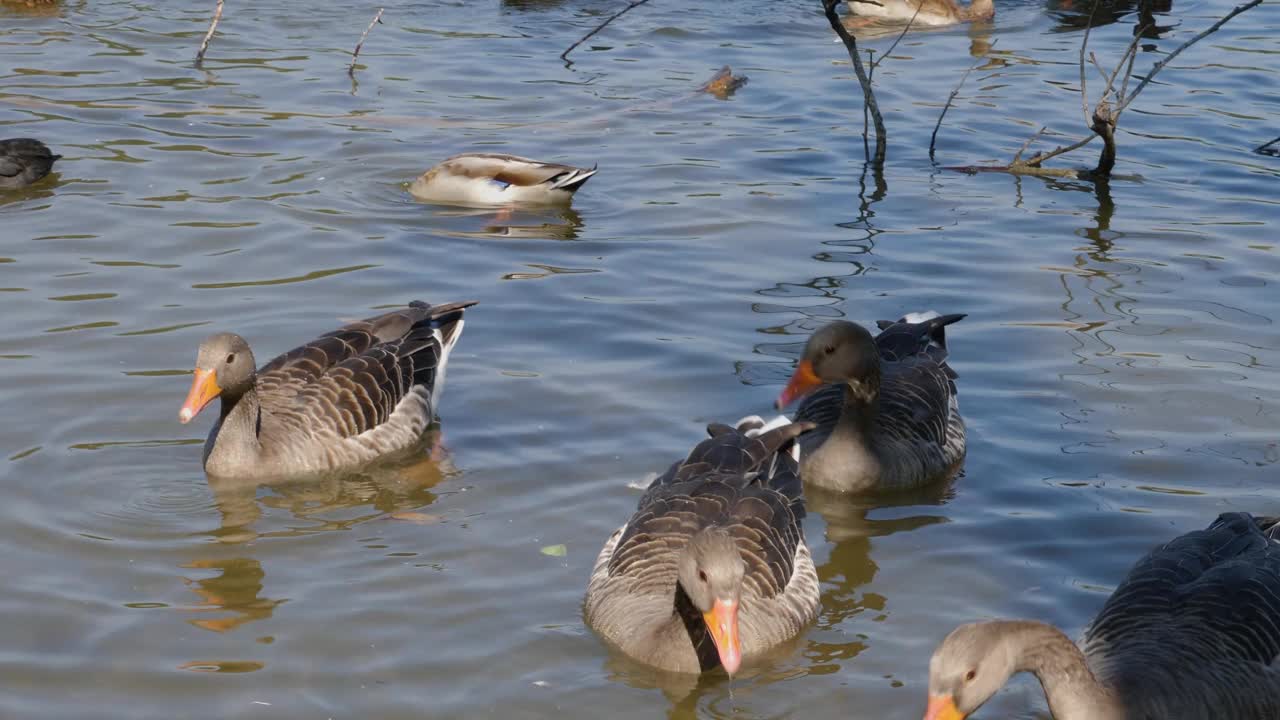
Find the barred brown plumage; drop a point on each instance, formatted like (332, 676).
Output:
(737, 493)
(366, 390)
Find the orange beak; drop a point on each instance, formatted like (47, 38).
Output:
(803, 382)
(204, 388)
(722, 621)
(942, 707)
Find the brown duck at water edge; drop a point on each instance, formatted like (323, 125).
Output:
(885, 408)
(713, 568)
(24, 161)
(362, 392)
(1193, 633)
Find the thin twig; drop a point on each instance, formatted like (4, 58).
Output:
(213, 25)
(1133, 55)
(868, 96)
(933, 139)
(1128, 99)
(872, 70)
(565, 55)
(1129, 55)
(1038, 159)
(351, 70)
(1093, 59)
(1262, 149)
(1084, 89)
(1017, 157)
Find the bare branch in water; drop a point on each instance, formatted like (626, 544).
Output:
(1017, 157)
(933, 139)
(1105, 118)
(565, 55)
(871, 71)
(213, 25)
(868, 95)
(1124, 102)
(351, 70)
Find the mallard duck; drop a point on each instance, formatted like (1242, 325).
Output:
(24, 161)
(931, 12)
(713, 568)
(885, 408)
(364, 391)
(487, 179)
(1193, 633)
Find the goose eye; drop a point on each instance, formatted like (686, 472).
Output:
(829, 350)
(969, 676)
(702, 576)
(231, 358)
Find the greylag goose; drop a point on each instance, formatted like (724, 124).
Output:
(713, 568)
(486, 179)
(24, 161)
(885, 408)
(366, 390)
(1193, 633)
(925, 12)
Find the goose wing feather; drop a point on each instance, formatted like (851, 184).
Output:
(745, 483)
(350, 380)
(1209, 599)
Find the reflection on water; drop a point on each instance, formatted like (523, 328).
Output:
(328, 503)
(1116, 366)
(236, 589)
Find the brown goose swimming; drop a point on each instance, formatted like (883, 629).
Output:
(366, 390)
(713, 568)
(885, 408)
(1193, 633)
(24, 161)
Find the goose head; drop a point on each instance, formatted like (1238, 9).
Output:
(841, 352)
(224, 367)
(711, 572)
(967, 669)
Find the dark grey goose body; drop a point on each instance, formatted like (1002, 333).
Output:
(886, 408)
(1193, 633)
(713, 567)
(24, 161)
(364, 391)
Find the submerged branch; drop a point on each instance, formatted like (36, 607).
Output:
(868, 95)
(213, 25)
(565, 55)
(351, 70)
(1155, 69)
(933, 139)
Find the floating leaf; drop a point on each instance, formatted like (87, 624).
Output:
(555, 550)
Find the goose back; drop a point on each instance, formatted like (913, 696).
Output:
(745, 481)
(918, 435)
(1208, 600)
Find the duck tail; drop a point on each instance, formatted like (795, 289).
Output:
(571, 180)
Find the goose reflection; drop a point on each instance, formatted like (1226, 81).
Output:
(236, 590)
(327, 502)
(849, 566)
